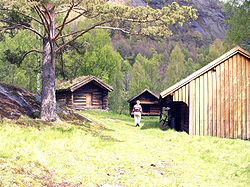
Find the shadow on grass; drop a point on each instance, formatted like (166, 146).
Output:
(150, 125)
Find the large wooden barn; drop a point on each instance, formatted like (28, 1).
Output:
(149, 102)
(215, 100)
(86, 92)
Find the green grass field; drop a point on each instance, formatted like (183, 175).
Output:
(112, 151)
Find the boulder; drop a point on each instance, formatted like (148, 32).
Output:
(16, 101)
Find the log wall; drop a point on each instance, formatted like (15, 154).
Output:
(97, 97)
(219, 100)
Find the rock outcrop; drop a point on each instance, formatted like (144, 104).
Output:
(211, 18)
(16, 101)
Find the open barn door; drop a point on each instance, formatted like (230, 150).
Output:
(175, 116)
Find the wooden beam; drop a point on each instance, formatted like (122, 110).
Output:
(214, 74)
(239, 67)
(235, 98)
(192, 108)
(223, 100)
(231, 104)
(244, 99)
(202, 105)
(227, 100)
(210, 106)
(218, 92)
(197, 106)
(248, 97)
(206, 105)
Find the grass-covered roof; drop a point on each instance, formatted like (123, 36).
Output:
(80, 81)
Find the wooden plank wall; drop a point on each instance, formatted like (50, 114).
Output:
(219, 100)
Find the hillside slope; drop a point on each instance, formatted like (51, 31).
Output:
(118, 154)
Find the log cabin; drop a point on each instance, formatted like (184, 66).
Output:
(149, 102)
(86, 92)
(213, 101)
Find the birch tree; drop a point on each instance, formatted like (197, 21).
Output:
(32, 14)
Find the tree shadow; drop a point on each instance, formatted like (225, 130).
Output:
(150, 125)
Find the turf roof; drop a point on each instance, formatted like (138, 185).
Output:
(63, 85)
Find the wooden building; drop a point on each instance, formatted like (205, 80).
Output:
(86, 92)
(149, 102)
(215, 100)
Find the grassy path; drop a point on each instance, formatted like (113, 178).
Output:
(113, 151)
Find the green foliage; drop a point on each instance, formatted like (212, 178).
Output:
(11, 50)
(176, 69)
(215, 50)
(142, 20)
(238, 20)
(145, 74)
(198, 35)
(207, 55)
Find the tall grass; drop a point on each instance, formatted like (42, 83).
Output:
(112, 151)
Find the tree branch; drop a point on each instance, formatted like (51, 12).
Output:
(47, 11)
(140, 21)
(64, 22)
(62, 11)
(33, 18)
(46, 27)
(42, 17)
(73, 19)
(32, 51)
(83, 32)
(114, 28)
(16, 25)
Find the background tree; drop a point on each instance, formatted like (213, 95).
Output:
(145, 74)
(20, 14)
(12, 49)
(216, 49)
(238, 21)
(176, 69)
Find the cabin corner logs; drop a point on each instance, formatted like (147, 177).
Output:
(215, 100)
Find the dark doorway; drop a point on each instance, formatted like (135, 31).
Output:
(178, 116)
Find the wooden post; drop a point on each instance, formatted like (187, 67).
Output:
(231, 100)
(235, 93)
(239, 95)
(223, 100)
(248, 98)
(214, 103)
(202, 105)
(244, 99)
(210, 106)
(218, 78)
(192, 108)
(206, 105)
(227, 100)
(197, 106)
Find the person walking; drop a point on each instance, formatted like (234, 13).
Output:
(137, 113)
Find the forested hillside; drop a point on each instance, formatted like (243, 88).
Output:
(128, 63)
